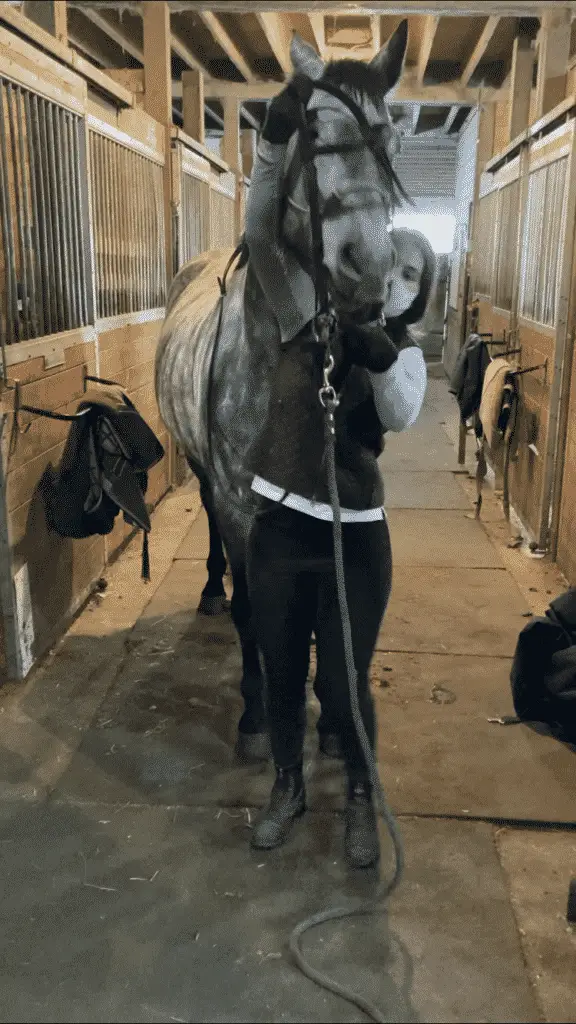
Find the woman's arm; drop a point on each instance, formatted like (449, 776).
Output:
(287, 287)
(397, 373)
(399, 392)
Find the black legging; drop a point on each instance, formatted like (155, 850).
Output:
(293, 593)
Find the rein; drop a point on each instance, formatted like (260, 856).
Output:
(324, 326)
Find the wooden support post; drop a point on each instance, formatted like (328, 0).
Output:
(158, 97)
(158, 104)
(231, 140)
(193, 104)
(61, 21)
(157, 60)
(484, 149)
(50, 15)
(231, 153)
(248, 141)
(520, 86)
(553, 56)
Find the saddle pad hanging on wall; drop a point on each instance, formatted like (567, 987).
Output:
(104, 469)
(493, 391)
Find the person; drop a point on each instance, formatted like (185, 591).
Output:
(291, 574)
(410, 287)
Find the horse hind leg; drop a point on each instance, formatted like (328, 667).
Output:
(213, 600)
(253, 743)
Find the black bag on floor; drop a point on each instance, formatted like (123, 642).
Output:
(543, 675)
(104, 470)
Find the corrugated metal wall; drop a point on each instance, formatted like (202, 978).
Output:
(426, 166)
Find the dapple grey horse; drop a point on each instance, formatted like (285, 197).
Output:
(217, 355)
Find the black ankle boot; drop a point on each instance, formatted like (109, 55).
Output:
(330, 745)
(361, 839)
(287, 802)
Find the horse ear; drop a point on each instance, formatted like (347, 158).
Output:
(389, 61)
(305, 60)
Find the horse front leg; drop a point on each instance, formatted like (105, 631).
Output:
(253, 743)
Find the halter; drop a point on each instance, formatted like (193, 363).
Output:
(325, 320)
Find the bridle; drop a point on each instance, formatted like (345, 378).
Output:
(326, 321)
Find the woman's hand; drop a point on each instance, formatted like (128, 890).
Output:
(283, 115)
(368, 345)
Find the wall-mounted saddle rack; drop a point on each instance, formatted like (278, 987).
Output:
(48, 413)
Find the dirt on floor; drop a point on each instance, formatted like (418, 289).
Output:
(130, 891)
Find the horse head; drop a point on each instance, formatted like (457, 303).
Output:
(357, 188)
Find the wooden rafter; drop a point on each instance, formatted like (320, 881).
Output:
(480, 48)
(278, 36)
(451, 117)
(114, 33)
(178, 47)
(226, 43)
(319, 32)
(185, 54)
(428, 36)
(376, 26)
(415, 117)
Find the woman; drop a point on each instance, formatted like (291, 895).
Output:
(291, 557)
(410, 289)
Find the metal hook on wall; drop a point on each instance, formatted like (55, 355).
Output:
(531, 369)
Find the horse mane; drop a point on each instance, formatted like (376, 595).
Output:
(358, 79)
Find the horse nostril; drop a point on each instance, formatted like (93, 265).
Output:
(350, 260)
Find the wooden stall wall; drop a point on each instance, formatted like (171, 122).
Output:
(566, 536)
(82, 291)
(546, 255)
(484, 246)
(46, 309)
(456, 319)
(126, 160)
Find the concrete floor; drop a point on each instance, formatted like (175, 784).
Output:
(130, 892)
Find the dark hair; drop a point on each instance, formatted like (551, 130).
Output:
(416, 311)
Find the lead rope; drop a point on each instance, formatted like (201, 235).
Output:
(324, 327)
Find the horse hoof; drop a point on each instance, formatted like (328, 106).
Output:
(253, 746)
(213, 605)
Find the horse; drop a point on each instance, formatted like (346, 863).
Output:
(220, 341)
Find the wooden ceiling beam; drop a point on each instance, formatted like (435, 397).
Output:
(464, 8)
(226, 43)
(278, 37)
(480, 49)
(178, 47)
(407, 91)
(428, 36)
